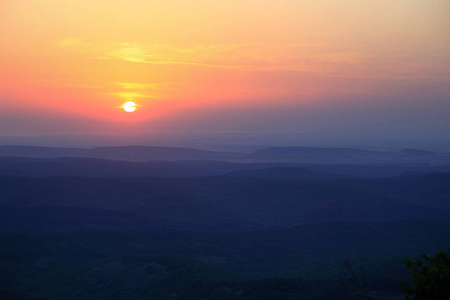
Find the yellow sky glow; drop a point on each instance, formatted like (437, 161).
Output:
(66, 55)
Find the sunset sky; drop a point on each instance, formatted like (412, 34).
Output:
(350, 69)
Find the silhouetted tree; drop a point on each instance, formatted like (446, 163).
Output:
(430, 278)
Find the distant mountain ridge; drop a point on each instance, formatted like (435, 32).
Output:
(349, 155)
(271, 154)
(127, 153)
(286, 151)
(96, 167)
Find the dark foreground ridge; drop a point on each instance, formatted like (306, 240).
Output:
(175, 223)
(309, 262)
(216, 203)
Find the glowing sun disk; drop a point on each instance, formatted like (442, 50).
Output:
(129, 106)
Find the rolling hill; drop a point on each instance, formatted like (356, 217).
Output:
(272, 154)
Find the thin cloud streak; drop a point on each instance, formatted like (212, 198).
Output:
(295, 57)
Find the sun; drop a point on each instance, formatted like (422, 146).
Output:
(129, 106)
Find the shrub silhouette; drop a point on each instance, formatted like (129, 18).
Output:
(430, 277)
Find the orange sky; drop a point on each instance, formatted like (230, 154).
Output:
(84, 59)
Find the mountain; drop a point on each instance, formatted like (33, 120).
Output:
(42, 152)
(142, 153)
(252, 253)
(306, 171)
(176, 223)
(221, 203)
(272, 154)
(348, 156)
(285, 173)
(128, 153)
(298, 151)
(418, 152)
(140, 277)
(94, 167)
